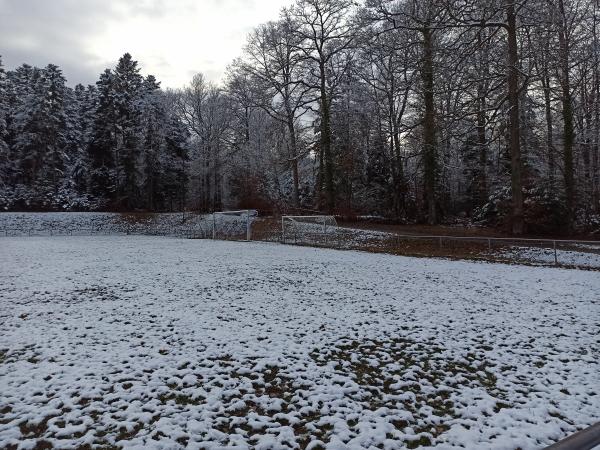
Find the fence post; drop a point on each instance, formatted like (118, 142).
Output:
(282, 229)
(248, 225)
(555, 254)
(440, 242)
(490, 245)
(214, 227)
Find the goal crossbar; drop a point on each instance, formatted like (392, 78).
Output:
(249, 212)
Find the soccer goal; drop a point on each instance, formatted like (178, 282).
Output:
(233, 224)
(307, 227)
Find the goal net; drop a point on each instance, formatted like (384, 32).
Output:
(300, 229)
(235, 225)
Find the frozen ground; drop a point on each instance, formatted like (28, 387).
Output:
(153, 342)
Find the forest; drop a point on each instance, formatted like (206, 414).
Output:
(413, 111)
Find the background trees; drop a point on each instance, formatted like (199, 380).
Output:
(114, 145)
(422, 111)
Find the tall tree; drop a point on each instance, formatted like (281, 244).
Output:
(104, 140)
(127, 94)
(4, 149)
(274, 58)
(423, 19)
(40, 124)
(326, 33)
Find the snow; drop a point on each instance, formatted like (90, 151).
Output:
(584, 256)
(155, 342)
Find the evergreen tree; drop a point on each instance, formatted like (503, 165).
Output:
(79, 122)
(153, 123)
(127, 98)
(39, 124)
(103, 141)
(20, 89)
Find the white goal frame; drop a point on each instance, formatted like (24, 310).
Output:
(322, 220)
(248, 213)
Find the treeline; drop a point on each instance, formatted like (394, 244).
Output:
(417, 110)
(115, 145)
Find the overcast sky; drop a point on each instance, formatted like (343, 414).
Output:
(171, 39)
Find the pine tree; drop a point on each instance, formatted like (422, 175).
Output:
(52, 90)
(79, 122)
(127, 92)
(153, 123)
(39, 124)
(103, 142)
(20, 88)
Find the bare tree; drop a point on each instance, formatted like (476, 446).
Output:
(325, 33)
(274, 59)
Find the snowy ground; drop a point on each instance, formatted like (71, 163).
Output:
(153, 342)
(588, 256)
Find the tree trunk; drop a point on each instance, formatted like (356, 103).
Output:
(596, 129)
(596, 145)
(482, 144)
(325, 142)
(518, 223)
(549, 130)
(400, 184)
(429, 136)
(567, 113)
(294, 160)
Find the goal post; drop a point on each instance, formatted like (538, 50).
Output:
(307, 225)
(233, 223)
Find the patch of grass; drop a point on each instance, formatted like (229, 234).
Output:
(180, 399)
(378, 365)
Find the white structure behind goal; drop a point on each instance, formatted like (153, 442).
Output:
(301, 226)
(233, 224)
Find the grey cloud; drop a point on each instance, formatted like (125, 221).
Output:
(39, 32)
(63, 32)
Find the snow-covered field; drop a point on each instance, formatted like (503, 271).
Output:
(154, 342)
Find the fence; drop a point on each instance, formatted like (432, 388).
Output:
(559, 252)
(192, 232)
(555, 245)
